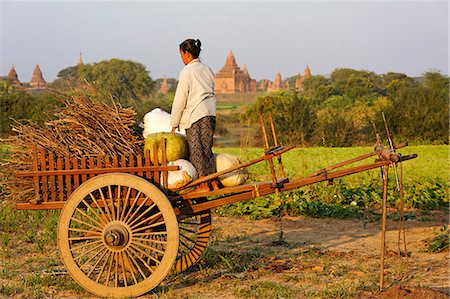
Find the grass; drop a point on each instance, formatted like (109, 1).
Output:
(425, 183)
(432, 161)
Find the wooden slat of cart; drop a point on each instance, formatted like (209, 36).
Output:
(156, 173)
(139, 164)
(115, 162)
(52, 179)
(131, 164)
(91, 166)
(44, 178)
(107, 162)
(59, 166)
(76, 178)
(99, 162)
(68, 178)
(83, 166)
(94, 171)
(148, 174)
(37, 197)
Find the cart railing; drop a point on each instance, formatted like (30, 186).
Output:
(55, 178)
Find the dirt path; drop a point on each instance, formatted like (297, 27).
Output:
(315, 253)
(316, 258)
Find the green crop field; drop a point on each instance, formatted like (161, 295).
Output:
(432, 161)
(426, 184)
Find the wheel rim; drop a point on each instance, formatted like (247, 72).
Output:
(118, 235)
(194, 236)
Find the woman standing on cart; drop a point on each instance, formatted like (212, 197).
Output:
(194, 109)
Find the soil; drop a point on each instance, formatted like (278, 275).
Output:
(428, 273)
(315, 255)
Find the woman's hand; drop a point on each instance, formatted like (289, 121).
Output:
(173, 130)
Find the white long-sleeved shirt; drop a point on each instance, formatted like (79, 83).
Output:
(194, 97)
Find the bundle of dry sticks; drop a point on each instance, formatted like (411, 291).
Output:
(80, 128)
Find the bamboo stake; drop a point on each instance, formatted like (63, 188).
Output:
(385, 172)
(266, 139)
(275, 140)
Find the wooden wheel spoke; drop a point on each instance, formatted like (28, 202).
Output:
(89, 208)
(103, 216)
(94, 228)
(136, 264)
(187, 246)
(146, 254)
(148, 247)
(132, 207)
(87, 216)
(91, 258)
(84, 238)
(111, 198)
(96, 263)
(188, 230)
(137, 209)
(150, 241)
(181, 223)
(87, 252)
(105, 203)
(76, 248)
(127, 258)
(136, 250)
(188, 238)
(148, 219)
(72, 229)
(150, 234)
(150, 226)
(116, 269)
(109, 269)
(119, 196)
(127, 197)
(142, 215)
(124, 270)
(103, 267)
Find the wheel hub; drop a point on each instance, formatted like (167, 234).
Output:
(116, 236)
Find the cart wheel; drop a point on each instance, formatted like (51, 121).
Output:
(118, 235)
(194, 236)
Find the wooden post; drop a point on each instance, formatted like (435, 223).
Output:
(383, 223)
(266, 139)
(275, 140)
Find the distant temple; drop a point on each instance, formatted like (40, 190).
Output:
(13, 75)
(231, 79)
(277, 84)
(37, 81)
(164, 87)
(300, 79)
(80, 62)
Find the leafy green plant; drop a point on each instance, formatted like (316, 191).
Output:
(440, 242)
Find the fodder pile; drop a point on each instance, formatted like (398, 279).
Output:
(80, 128)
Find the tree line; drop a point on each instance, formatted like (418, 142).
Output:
(342, 109)
(346, 109)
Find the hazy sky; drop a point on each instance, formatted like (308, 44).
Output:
(381, 36)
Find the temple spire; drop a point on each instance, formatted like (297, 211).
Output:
(37, 80)
(13, 75)
(164, 87)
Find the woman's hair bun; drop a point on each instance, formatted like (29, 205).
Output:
(198, 43)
